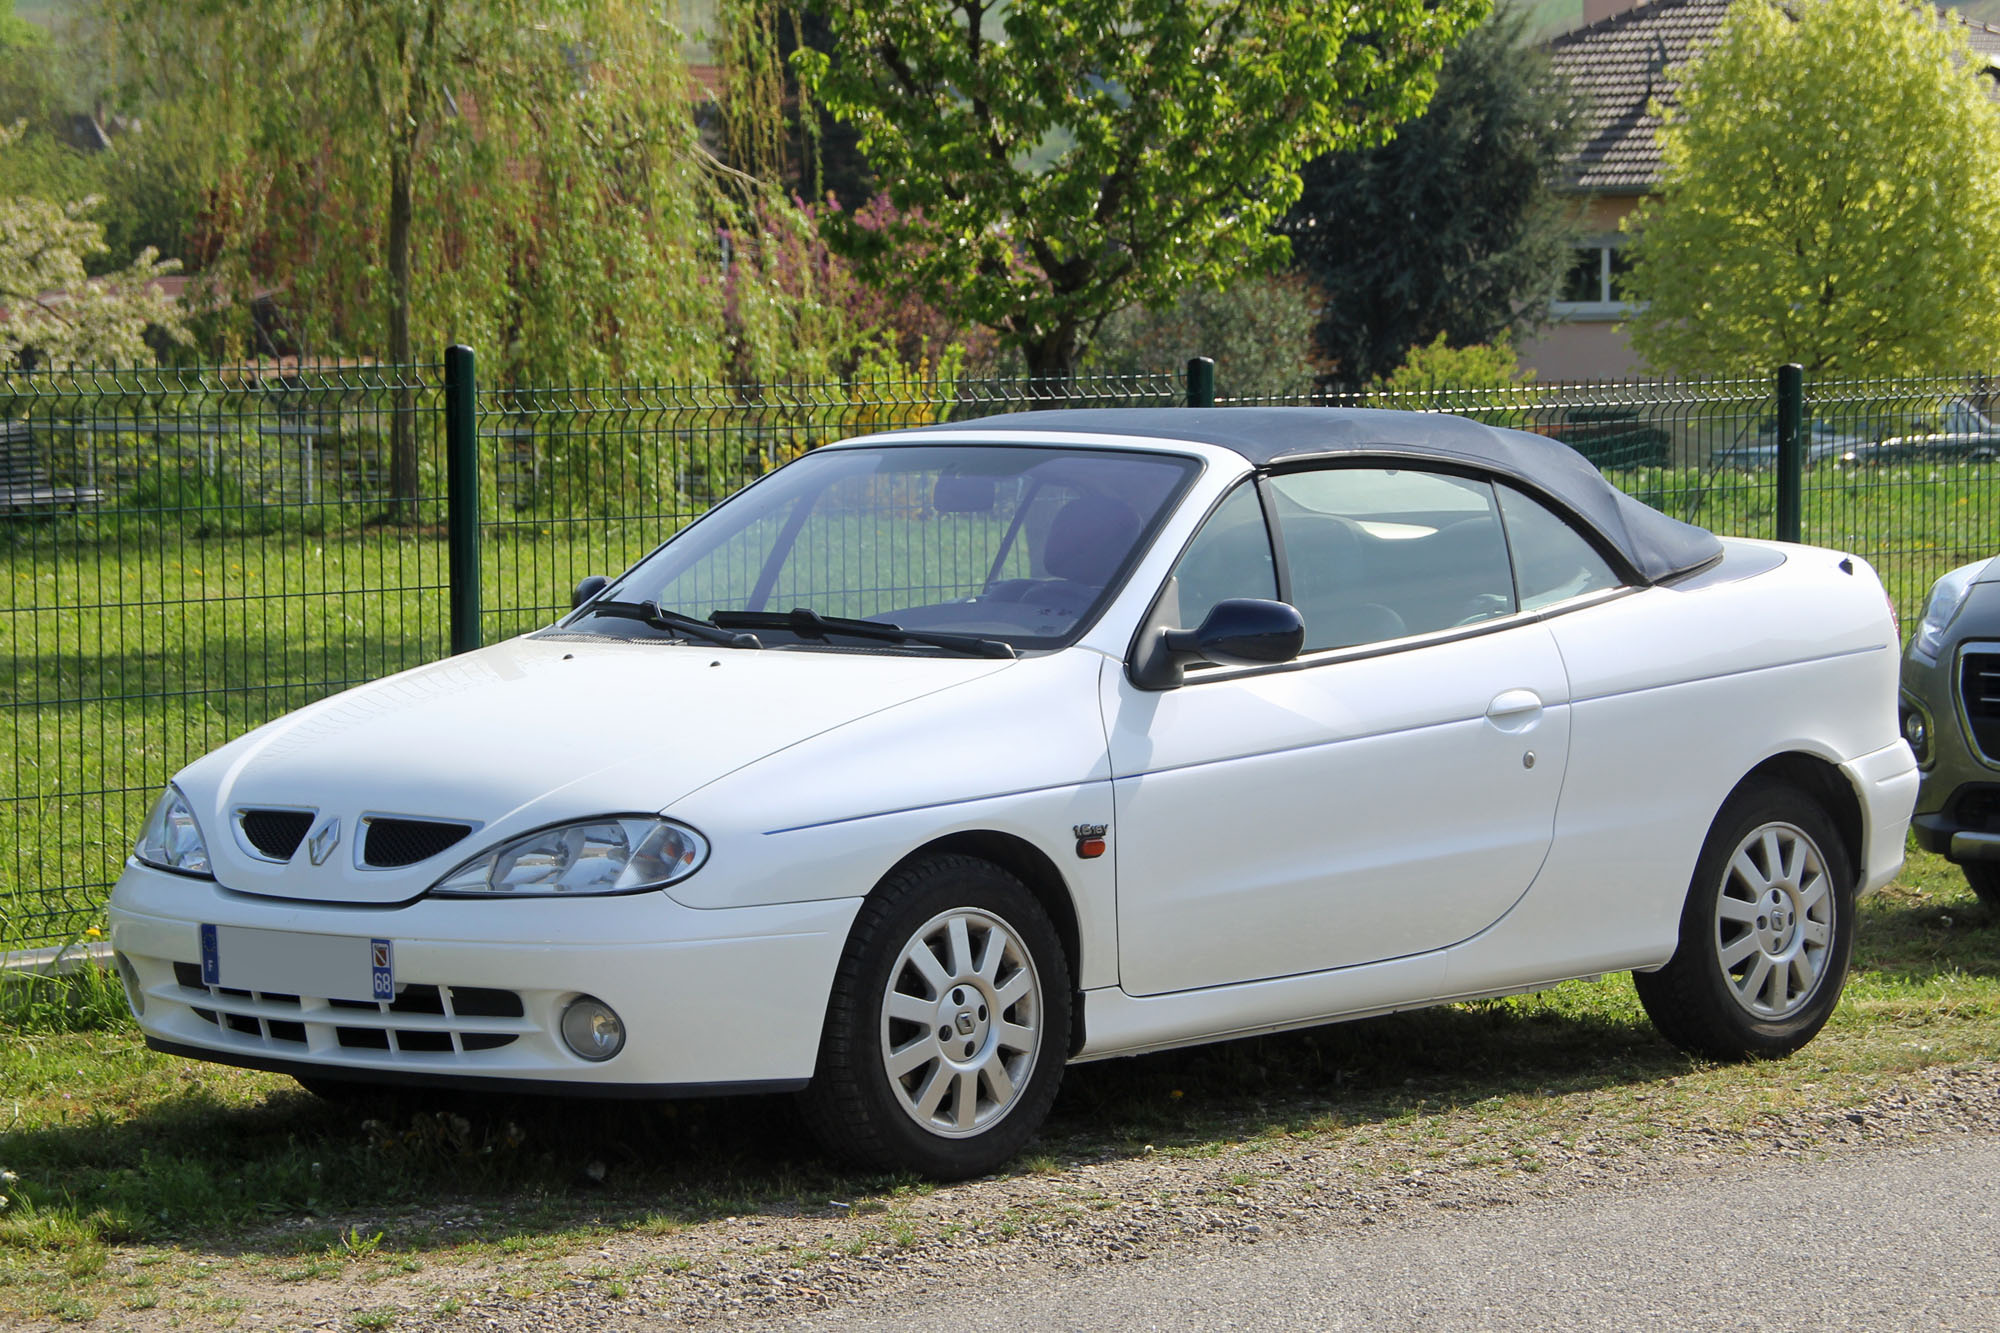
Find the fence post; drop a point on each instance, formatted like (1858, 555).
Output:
(461, 488)
(1200, 382)
(1791, 451)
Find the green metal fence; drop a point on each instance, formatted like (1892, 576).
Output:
(187, 554)
(191, 553)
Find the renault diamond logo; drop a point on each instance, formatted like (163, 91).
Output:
(321, 844)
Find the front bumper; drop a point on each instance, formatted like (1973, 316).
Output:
(1958, 807)
(712, 1001)
(1967, 828)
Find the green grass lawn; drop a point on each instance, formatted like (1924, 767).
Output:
(154, 1162)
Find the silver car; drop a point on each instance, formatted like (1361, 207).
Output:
(1825, 440)
(1951, 718)
(1956, 432)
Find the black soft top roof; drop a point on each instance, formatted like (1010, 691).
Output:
(1655, 546)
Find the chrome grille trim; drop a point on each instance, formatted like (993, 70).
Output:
(1978, 684)
(249, 845)
(465, 828)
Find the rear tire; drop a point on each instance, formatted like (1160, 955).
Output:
(1984, 877)
(1766, 933)
(948, 1024)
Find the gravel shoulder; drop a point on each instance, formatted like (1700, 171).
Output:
(1883, 1238)
(824, 1265)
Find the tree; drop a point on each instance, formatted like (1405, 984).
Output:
(16, 33)
(1830, 195)
(772, 129)
(38, 94)
(1439, 366)
(1478, 380)
(524, 177)
(1052, 161)
(54, 309)
(393, 163)
(1259, 333)
(1454, 227)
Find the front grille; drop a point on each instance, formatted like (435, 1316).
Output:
(421, 1020)
(1977, 807)
(276, 833)
(390, 843)
(1979, 691)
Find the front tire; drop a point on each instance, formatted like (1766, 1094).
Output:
(1984, 878)
(1766, 933)
(948, 1024)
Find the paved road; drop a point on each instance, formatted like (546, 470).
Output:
(1887, 1240)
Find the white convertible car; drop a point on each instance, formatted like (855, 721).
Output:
(939, 759)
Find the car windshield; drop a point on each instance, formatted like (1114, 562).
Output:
(1017, 545)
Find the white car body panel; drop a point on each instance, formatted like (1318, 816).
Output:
(677, 975)
(812, 774)
(1350, 810)
(1627, 833)
(610, 734)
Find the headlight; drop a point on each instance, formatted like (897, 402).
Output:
(1947, 595)
(618, 854)
(172, 840)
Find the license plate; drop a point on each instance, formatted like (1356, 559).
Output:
(285, 962)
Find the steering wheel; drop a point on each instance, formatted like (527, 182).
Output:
(1485, 606)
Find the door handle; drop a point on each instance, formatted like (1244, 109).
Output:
(1514, 710)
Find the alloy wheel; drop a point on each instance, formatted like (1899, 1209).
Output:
(1774, 921)
(961, 1018)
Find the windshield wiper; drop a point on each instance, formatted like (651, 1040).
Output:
(676, 624)
(812, 625)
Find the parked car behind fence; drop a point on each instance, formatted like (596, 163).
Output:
(1951, 718)
(1953, 430)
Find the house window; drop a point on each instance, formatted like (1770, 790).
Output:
(1594, 286)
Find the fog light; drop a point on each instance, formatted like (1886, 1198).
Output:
(135, 994)
(1918, 733)
(591, 1030)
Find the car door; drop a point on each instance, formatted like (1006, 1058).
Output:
(1391, 792)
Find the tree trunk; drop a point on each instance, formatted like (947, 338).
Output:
(403, 484)
(1050, 353)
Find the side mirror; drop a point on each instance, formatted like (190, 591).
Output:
(588, 587)
(1238, 631)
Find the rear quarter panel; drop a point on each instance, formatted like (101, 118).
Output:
(1677, 693)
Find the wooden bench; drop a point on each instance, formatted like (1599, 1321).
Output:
(24, 485)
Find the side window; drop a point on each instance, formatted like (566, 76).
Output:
(1552, 561)
(1379, 553)
(1229, 557)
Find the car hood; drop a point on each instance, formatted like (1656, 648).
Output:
(524, 734)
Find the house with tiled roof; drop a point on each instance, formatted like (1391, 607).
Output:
(1623, 65)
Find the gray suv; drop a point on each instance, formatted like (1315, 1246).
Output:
(1951, 717)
